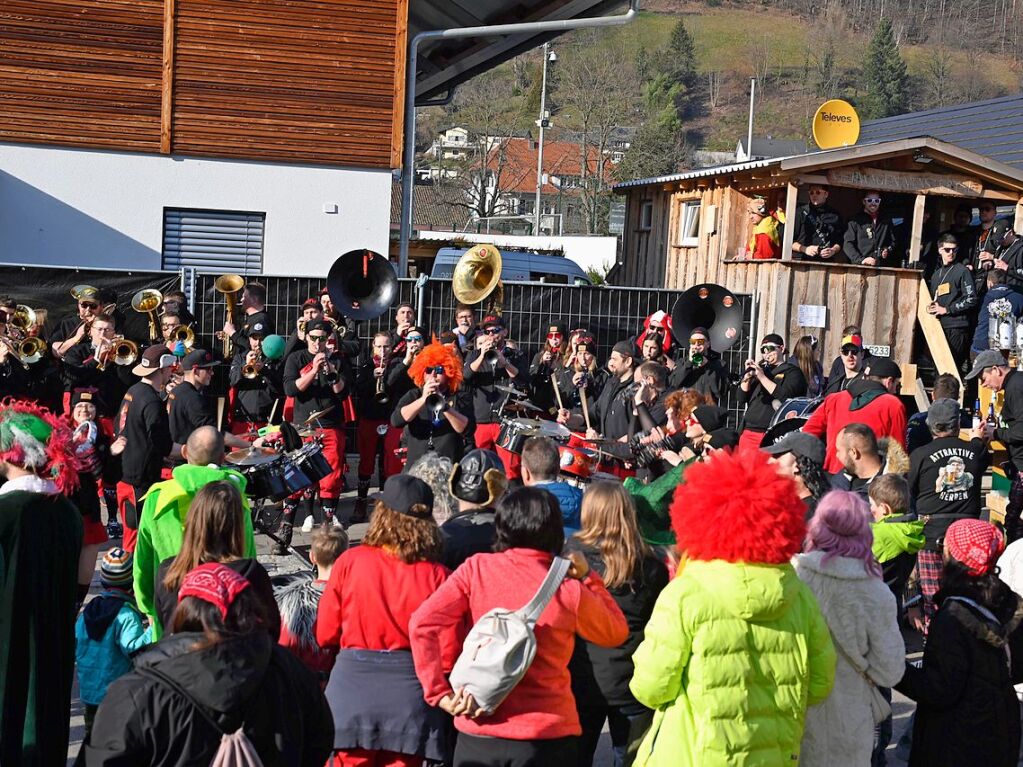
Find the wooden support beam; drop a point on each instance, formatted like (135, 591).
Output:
(916, 234)
(935, 336)
(791, 192)
(807, 179)
(167, 94)
(1018, 223)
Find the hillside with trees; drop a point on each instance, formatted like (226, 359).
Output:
(677, 79)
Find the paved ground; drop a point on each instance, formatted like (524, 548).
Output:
(275, 565)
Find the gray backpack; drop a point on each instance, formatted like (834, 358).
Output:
(501, 645)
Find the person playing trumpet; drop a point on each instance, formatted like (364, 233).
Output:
(74, 329)
(376, 400)
(90, 365)
(256, 381)
(311, 310)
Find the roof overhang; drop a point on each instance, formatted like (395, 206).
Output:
(444, 64)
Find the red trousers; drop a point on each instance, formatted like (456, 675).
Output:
(360, 757)
(129, 509)
(368, 441)
(750, 439)
(334, 451)
(486, 439)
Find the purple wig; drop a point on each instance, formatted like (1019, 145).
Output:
(841, 528)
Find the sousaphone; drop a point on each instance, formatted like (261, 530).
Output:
(362, 284)
(708, 306)
(478, 274)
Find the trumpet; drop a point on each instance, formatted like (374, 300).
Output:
(381, 392)
(27, 350)
(121, 350)
(147, 302)
(253, 370)
(436, 404)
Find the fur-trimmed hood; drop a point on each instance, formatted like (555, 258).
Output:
(298, 602)
(896, 460)
(979, 626)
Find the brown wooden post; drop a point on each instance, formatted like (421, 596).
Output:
(167, 95)
(916, 236)
(791, 192)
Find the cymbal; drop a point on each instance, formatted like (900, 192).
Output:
(253, 456)
(554, 429)
(510, 390)
(313, 417)
(523, 404)
(307, 431)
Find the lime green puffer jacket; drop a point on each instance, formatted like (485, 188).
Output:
(162, 527)
(732, 656)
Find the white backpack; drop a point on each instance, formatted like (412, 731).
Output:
(500, 647)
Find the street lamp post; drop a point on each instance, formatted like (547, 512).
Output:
(542, 123)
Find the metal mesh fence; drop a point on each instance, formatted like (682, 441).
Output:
(610, 313)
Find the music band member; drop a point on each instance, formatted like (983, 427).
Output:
(870, 234)
(954, 299)
(579, 378)
(431, 413)
(143, 436)
(187, 406)
(611, 416)
(256, 380)
(318, 380)
(651, 381)
(175, 301)
(490, 365)
(465, 327)
(657, 326)
(74, 329)
(170, 321)
(544, 369)
(404, 318)
(819, 229)
(374, 431)
(256, 319)
(702, 369)
(91, 365)
(332, 314)
(772, 379)
(311, 310)
(399, 380)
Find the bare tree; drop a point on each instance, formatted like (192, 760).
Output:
(714, 80)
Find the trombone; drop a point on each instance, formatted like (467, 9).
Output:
(230, 285)
(146, 302)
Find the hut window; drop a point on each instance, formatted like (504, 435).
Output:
(689, 224)
(646, 215)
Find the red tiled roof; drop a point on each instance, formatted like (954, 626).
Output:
(560, 158)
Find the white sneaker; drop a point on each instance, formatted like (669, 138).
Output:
(307, 526)
(336, 522)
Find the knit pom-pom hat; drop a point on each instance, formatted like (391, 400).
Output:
(737, 507)
(34, 439)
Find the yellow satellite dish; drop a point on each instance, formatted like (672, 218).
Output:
(836, 124)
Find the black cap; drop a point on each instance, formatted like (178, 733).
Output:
(722, 438)
(883, 367)
(85, 394)
(492, 321)
(799, 443)
(624, 348)
(198, 358)
(403, 491)
(315, 325)
(710, 417)
(478, 478)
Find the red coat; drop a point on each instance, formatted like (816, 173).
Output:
(541, 706)
(885, 415)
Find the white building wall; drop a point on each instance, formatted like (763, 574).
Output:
(105, 209)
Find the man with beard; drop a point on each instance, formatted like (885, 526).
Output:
(819, 229)
(870, 234)
(702, 368)
(611, 414)
(773, 379)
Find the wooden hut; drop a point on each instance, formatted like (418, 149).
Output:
(692, 227)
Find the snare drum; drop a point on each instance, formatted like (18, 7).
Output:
(577, 462)
(295, 479)
(514, 433)
(309, 459)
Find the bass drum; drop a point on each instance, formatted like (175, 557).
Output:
(798, 407)
(780, 429)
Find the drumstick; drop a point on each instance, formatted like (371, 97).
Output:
(273, 410)
(586, 408)
(557, 392)
(220, 413)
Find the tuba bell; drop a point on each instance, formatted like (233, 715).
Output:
(478, 274)
(23, 319)
(712, 307)
(362, 285)
(230, 285)
(185, 335)
(147, 301)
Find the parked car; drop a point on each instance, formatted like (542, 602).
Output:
(518, 266)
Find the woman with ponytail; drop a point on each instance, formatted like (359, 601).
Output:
(839, 567)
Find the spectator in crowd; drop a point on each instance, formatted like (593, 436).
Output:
(299, 600)
(435, 470)
(218, 673)
(765, 240)
(945, 479)
(918, 433)
(869, 400)
(999, 299)
(838, 364)
(870, 235)
(108, 632)
(214, 532)
(380, 716)
(771, 379)
(737, 619)
(850, 365)
(477, 483)
(162, 526)
(898, 534)
(1009, 254)
(967, 710)
(537, 724)
(634, 576)
(857, 449)
(818, 229)
(40, 539)
(954, 300)
(800, 456)
(540, 465)
(804, 354)
(982, 256)
(839, 567)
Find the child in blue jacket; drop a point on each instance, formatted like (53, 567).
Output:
(108, 632)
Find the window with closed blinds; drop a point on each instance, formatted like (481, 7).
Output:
(221, 241)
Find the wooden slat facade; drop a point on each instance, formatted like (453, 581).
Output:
(317, 81)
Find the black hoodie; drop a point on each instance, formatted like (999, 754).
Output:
(760, 405)
(245, 680)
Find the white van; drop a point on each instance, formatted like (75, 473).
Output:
(518, 266)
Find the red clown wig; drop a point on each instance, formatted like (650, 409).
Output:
(738, 508)
(433, 354)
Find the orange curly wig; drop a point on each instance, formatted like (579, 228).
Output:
(436, 353)
(738, 508)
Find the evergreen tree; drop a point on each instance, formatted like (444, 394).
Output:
(885, 81)
(673, 74)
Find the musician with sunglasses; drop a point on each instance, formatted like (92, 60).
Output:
(702, 368)
(544, 369)
(493, 364)
(319, 380)
(819, 229)
(954, 299)
(870, 235)
(771, 379)
(74, 329)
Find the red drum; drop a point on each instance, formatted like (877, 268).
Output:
(578, 462)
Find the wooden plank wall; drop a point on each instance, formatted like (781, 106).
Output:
(84, 73)
(645, 251)
(315, 81)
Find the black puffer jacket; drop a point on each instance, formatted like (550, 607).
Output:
(245, 681)
(967, 711)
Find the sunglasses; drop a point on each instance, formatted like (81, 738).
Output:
(436, 370)
(88, 305)
(414, 338)
(949, 250)
(874, 200)
(553, 335)
(492, 331)
(768, 348)
(317, 338)
(850, 351)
